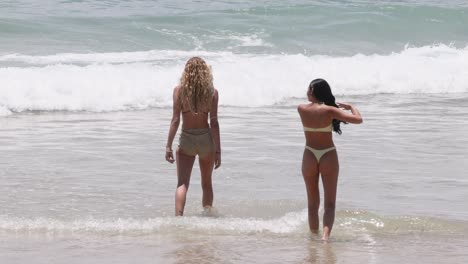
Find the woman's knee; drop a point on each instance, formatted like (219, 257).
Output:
(329, 206)
(183, 184)
(314, 205)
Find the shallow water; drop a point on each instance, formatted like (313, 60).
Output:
(95, 185)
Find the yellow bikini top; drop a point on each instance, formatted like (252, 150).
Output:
(328, 128)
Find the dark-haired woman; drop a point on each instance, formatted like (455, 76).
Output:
(320, 117)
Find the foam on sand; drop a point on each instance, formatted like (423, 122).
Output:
(347, 222)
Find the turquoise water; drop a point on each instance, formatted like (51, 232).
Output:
(68, 55)
(245, 27)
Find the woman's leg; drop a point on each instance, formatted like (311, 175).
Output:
(184, 170)
(310, 173)
(329, 169)
(206, 170)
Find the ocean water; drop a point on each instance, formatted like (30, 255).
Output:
(85, 105)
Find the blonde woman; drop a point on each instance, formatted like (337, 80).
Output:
(196, 100)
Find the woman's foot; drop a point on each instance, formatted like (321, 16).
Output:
(209, 211)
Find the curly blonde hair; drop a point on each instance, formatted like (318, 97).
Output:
(196, 86)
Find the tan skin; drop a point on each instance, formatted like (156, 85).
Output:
(317, 115)
(185, 162)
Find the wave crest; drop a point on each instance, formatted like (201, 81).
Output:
(140, 80)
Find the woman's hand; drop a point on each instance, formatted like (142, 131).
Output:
(344, 106)
(169, 155)
(217, 160)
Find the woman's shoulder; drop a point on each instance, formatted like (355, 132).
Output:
(319, 109)
(175, 92)
(302, 106)
(215, 95)
(329, 108)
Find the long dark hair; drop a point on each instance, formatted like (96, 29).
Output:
(321, 91)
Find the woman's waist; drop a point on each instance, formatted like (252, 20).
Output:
(319, 145)
(196, 130)
(195, 123)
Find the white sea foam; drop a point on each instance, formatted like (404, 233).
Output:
(138, 80)
(286, 224)
(4, 111)
(91, 88)
(249, 40)
(109, 57)
(234, 39)
(290, 223)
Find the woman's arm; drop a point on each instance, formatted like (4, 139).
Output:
(354, 117)
(214, 125)
(173, 126)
